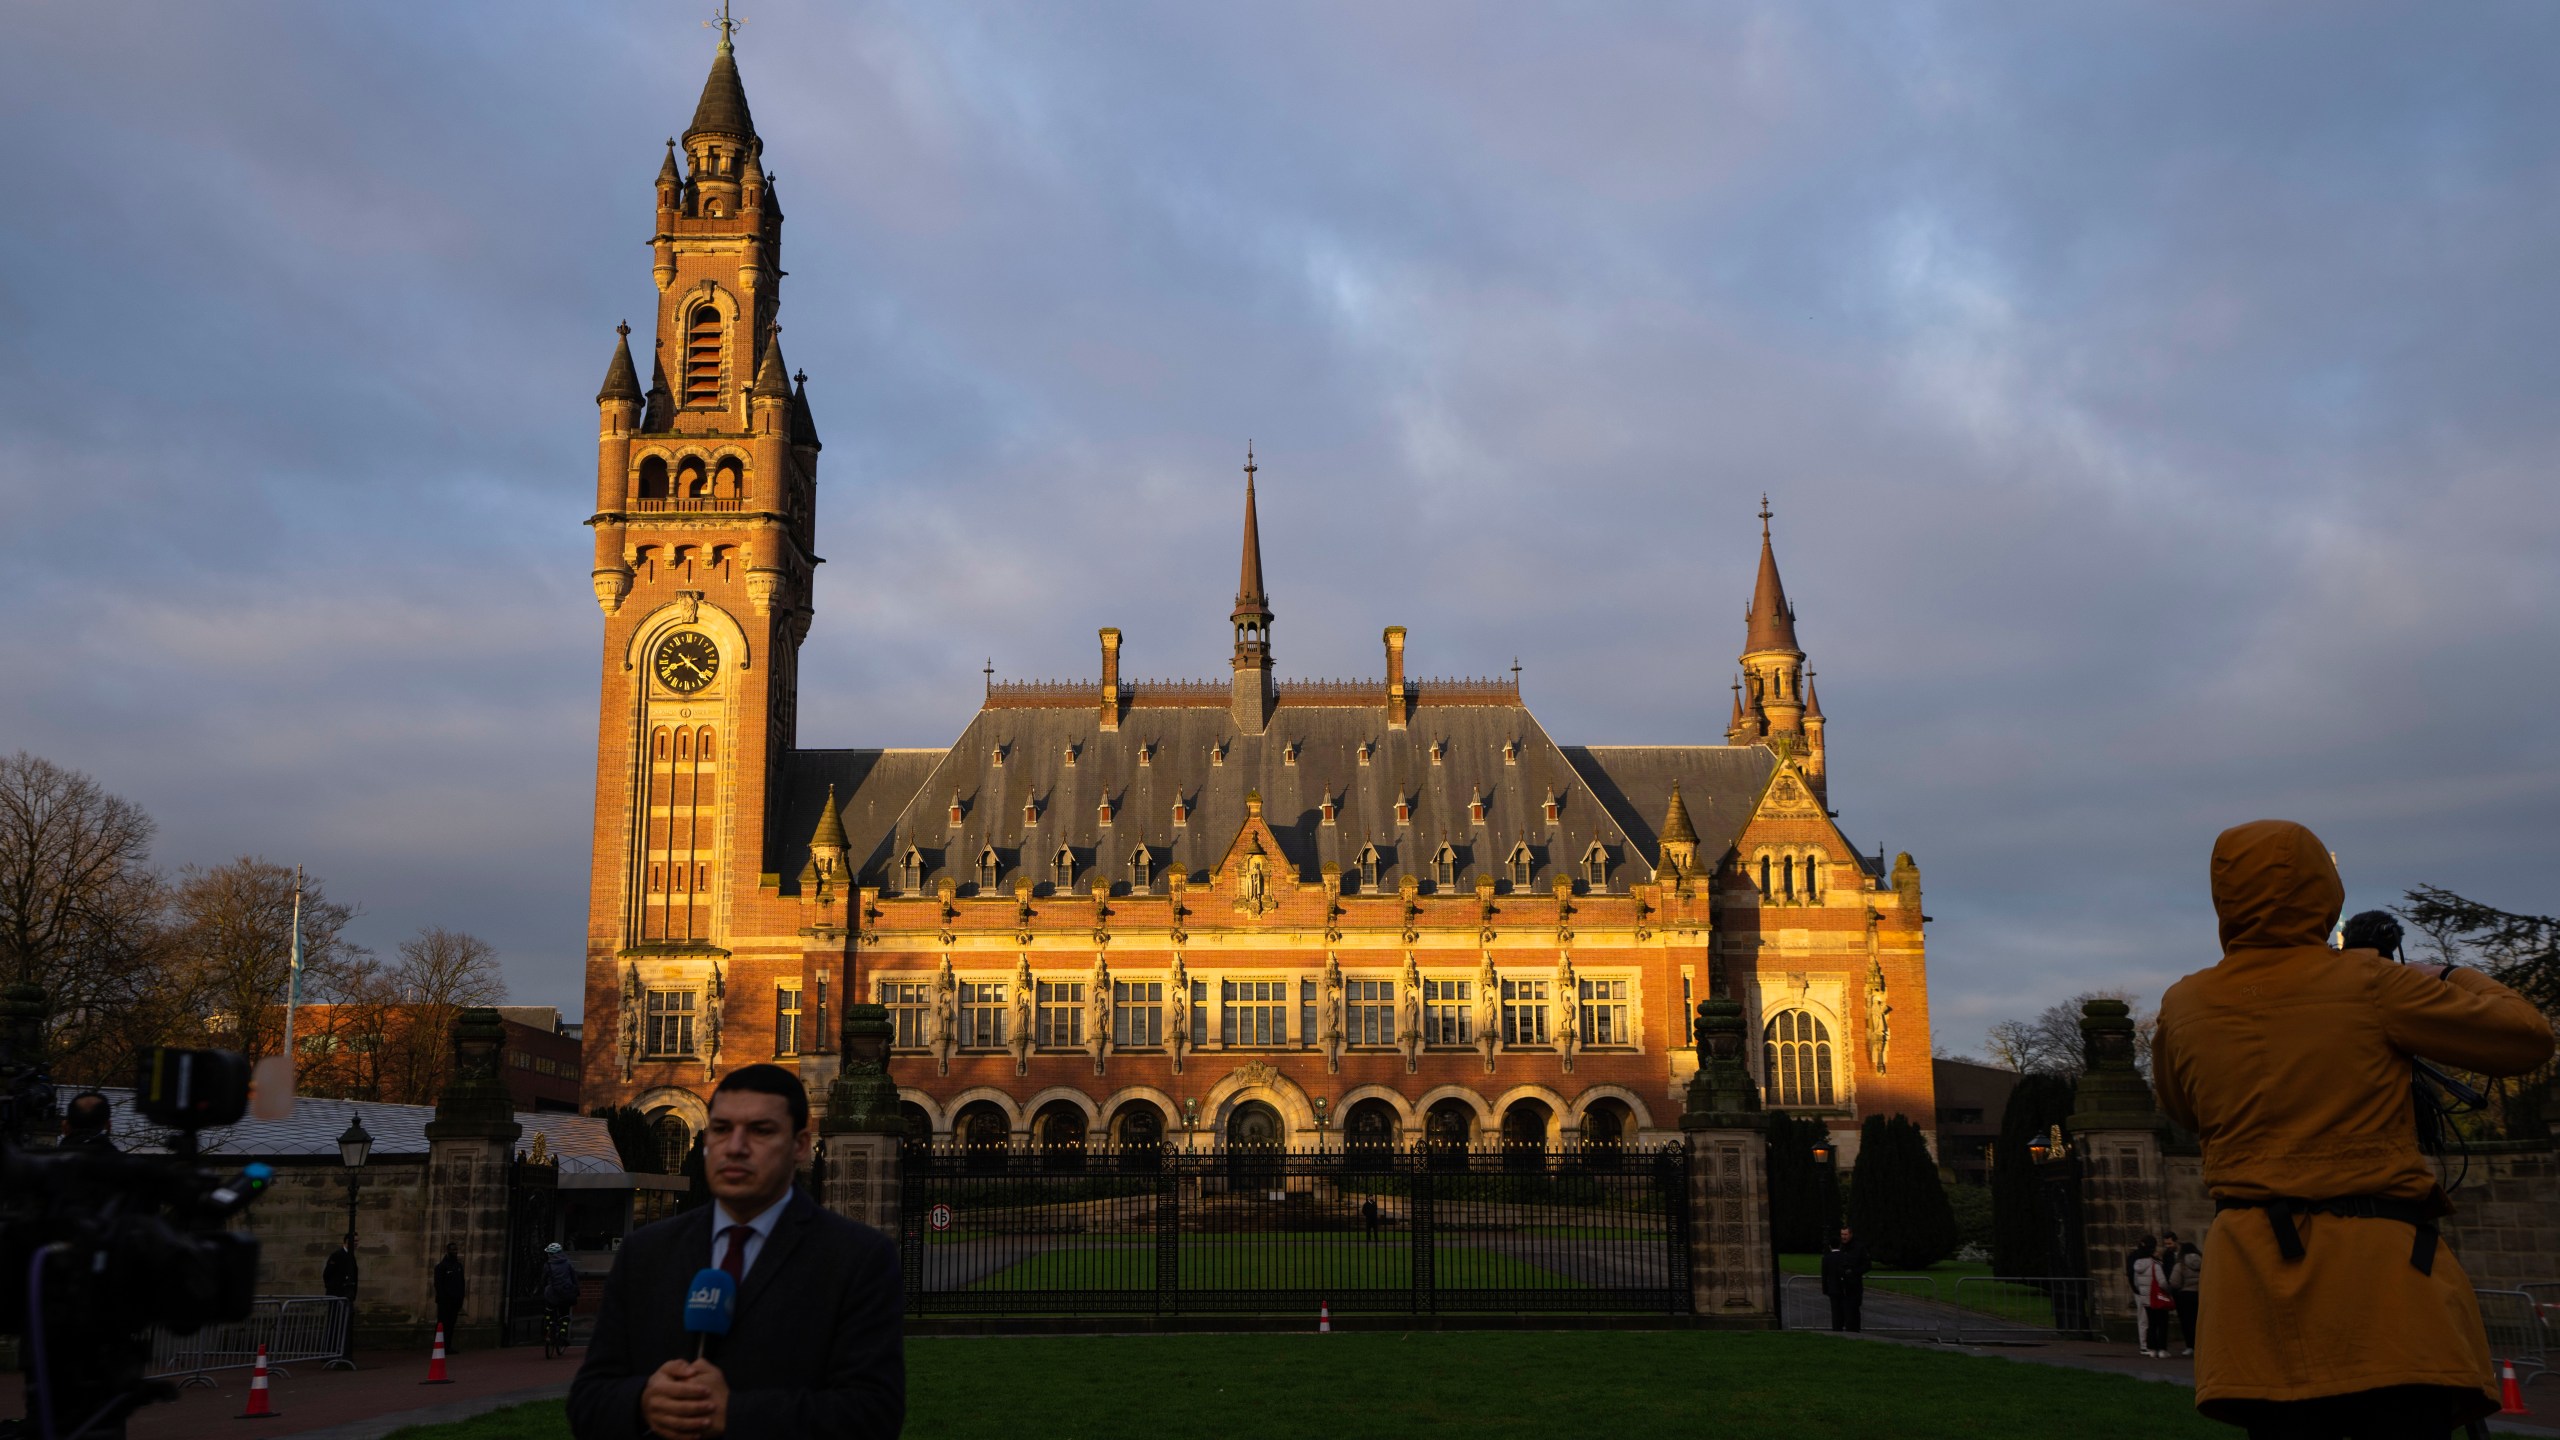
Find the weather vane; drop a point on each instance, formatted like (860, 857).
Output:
(724, 24)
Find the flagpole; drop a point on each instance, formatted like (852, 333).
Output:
(293, 984)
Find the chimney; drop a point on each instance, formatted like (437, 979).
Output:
(1110, 677)
(1395, 677)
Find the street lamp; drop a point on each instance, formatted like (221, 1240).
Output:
(1822, 1152)
(354, 1148)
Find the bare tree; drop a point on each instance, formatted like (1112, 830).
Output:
(2050, 1043)
(81, 913)
(439, 972)
(235, 947)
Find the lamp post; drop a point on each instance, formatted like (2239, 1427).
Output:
(354, 1148)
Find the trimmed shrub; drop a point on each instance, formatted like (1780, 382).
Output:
(1804, 1194)
(2020, 1232)
(1898, 1207)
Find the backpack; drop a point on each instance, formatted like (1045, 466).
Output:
(559, 1283)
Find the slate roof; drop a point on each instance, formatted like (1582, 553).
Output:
(1613, 796)
(872, 788)
(581, 1141)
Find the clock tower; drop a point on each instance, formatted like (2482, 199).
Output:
(705, 498)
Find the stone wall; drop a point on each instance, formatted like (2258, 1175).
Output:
(299, 1220)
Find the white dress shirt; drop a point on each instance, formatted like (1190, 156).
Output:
(759, 1230)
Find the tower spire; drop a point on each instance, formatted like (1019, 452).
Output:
(1772, 620)
(1249, 596)
(1252, 620)
(1772, 662)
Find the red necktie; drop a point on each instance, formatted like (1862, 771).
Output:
(735, 1262)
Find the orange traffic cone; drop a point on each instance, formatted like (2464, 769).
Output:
(1324, 1317)
(435, 1362)
(2510, 1394)
(259, 1409)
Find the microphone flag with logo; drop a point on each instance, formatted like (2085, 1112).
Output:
(710, 1302)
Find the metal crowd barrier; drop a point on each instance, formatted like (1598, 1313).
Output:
(2519, 1330)
(1975, 1310)
(296, 1329)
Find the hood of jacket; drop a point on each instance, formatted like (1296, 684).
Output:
(2274, 887)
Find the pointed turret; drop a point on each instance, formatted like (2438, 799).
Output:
(621, 378)
(1770, 656)
(830, 832)
(1252, 619)
(661, 414)
(1679, 837)
(722, 111)
(804, 426)
(670, 179)
(721, 141)
(1772, 619)
(1734, 732)
(772, 380)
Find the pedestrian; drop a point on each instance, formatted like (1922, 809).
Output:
(1369, 1217)
(2143, 1249)
(88, 1122)
(2337, 1308)
(559, 1294)
(2151, 1288)
(815, 1346)
(2185, 1283)
(1844, 1280)
(450, 1286)
(338, 1281)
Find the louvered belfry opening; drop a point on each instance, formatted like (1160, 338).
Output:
(702, 356)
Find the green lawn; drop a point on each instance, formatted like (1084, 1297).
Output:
(1631, 1385)
(1248, 1263)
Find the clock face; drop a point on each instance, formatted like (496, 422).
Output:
(687, 661)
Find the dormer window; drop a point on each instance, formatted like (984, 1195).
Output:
(1510, 752)
(1030, 813)
(1438, 749)
(1071, 754)
(1289, 753)
(956, 812)
(1404, 810)
(1142, 869)
(1365, 749)
(1146, 756)
(1181, 812)
(1369, 868)
(911, 871)
(1102, 812)
(1550, 806)
(1328, 808)
(1475, 808)
(702, 344)
(1521, 865)
(1062, 870)
(1444, 867)
(987, 871)
(1595, 868)
(1218, 753)
(996, 756)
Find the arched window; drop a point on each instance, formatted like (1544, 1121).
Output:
(1062, 870)
(1799, 1056)
(653, 478)
(658, 745)
(728, 485)
(987, 870)
(689, 481)
(1787, 876)
(674, 1142)
(702, 356)
(911, 872)
(1444, 867)
(684, 744)
(1764, 877)
(1520, 867)
(1595, 868)
(1369, 868)
(1142, 869)
(1810, 896)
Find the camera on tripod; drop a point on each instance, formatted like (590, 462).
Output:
(99, 1247)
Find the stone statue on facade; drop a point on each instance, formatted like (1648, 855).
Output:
(1097, 1014)
(1177, 1014)
(1409, 1016)
(1879, 1017)
(942, 1017)
(1330, 1036)
(1488, 1012)
(1018, 1035)
(717, 995)
(1568, 1013)
(630, 1018)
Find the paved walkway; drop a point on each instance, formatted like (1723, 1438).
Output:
(379, 1396)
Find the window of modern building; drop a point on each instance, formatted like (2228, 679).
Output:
(670, 1022)
(981, 1014)
(1059, 1008)
(1799, 1059)
(1137, 1013)
(1604, 1013)
(1448, 1012)
(906, 1001)
(1256, 1012)
(1369, 1012)
(1524, 1012)
(786, 1020)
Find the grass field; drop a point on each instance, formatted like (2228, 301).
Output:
(1630, 1385)
(1253, 1263)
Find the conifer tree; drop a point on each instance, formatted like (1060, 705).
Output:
(2021, 1233)
(1804, 1194)
(1896, 1203)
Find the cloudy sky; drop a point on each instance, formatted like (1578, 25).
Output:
(2156, 401)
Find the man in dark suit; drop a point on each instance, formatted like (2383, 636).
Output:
(1844, 1279)
(817, 1346)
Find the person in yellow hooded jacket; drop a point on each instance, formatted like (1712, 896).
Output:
(2331, 1307)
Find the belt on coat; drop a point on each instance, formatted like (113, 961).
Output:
(2281, 1210)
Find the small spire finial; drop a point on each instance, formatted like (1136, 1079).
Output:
(725, 25)
(1764, 514)
(1248, 462)
(623, 329)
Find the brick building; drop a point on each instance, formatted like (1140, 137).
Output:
(1238, 910)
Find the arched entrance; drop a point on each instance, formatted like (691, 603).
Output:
(1606, 1123)
(1058, 1132)
(1447, 1129)
(985, 1134)
(675, 1141)
(1370, 1130)
(1255, 1139)
(1139, 1128)
(916, 1140)
(1524, 1135)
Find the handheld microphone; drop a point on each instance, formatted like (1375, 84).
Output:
(710, 1303)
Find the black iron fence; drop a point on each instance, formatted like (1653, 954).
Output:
(1168, 1232)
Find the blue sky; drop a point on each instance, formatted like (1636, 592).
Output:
(2155, 401)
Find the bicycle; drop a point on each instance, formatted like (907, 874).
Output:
(555, 1331)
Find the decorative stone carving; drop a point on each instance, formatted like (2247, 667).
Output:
(1879, 1018)
(942, 1019)
(1331, 1036)
(1409, 1016)
(630, 1036)
(1177, 1014)
(1488, 1012)
(717, 995)
(1097, 1014)
(1568, 1012)
(688, 607)
(1253, 882)
(1018, 1034)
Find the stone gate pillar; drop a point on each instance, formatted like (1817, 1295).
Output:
(862, 1127)
(468, 1146)
(1730, 1260)
(2116, 1128)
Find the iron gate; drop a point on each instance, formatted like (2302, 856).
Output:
(1247, 1230)
(533, 1200)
